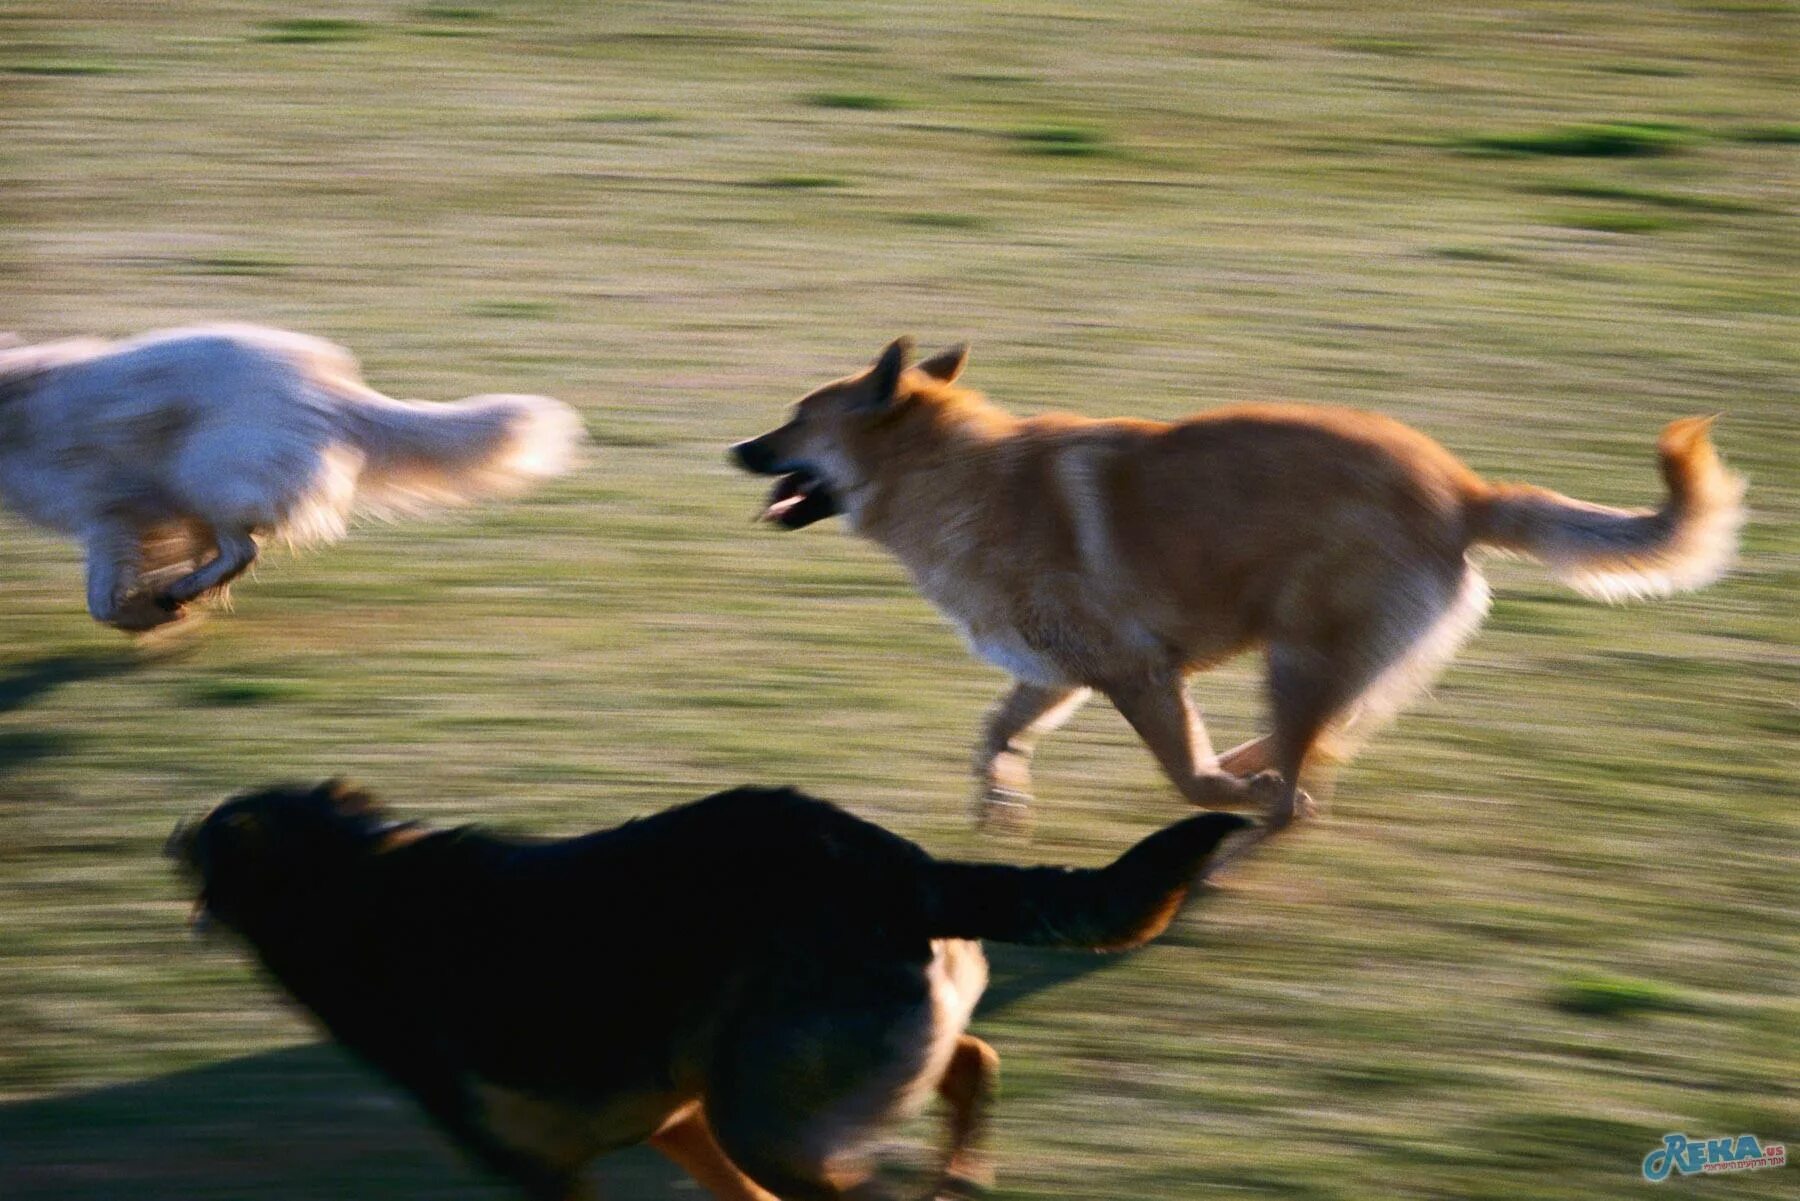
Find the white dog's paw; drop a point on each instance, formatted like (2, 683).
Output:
(141, 611)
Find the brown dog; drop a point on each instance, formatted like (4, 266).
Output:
(757, 984)
(1126, 555)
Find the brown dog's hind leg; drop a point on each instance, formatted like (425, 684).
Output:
(689, 1142)
(1327, 690)
(1159, 709)
(968, 1087)
(1003, 758)
(1306, 692)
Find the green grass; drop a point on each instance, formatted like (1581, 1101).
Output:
(929, 220)
(1771, 135)
(308, 30)
(1652, 70)
(1648, 196)
(236, 693)
(1548, 918)
(454, 12)
(625, 117)
(512, 310)
(1068, 141)
(871, 102)
(238, 263)
(1617, 221)
(60, 67)
(800, 183)
(1620, 139)
(1473, 254)
(1615, 996)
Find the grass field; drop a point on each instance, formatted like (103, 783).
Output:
(1551, 916)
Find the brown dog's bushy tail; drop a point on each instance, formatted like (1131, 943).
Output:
(1103, 909)
(1619, 554)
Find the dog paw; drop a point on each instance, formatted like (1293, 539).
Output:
(1268, 790)
(1265, 788)
(961, 1187)
(1003, 811)
(142, 611)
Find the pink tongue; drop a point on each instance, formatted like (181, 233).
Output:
(774, 511)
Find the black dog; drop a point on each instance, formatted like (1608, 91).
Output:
(756, 983)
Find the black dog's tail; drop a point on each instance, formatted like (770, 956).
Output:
(1110, 908)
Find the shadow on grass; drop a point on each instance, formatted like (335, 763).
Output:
(311, 1124)
(26, 681)
(22, 683)
(307, 1122)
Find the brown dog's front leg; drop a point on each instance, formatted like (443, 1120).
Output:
(1003, 759)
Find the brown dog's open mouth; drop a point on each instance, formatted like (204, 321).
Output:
(799, 499)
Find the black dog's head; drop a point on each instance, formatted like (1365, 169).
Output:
(830, 448)
(264, 853)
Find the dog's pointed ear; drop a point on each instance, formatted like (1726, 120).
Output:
(947, 364)
(883, 384)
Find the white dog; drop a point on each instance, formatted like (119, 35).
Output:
(171, 456)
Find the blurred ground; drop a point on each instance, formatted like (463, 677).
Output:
(1551, 916)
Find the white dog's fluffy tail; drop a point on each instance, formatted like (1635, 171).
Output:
(1619, 554)
(417, 455)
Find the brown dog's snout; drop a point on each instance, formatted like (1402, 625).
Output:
(754, 455)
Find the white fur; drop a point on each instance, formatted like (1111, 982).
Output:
(1702, 551)
(1424, 639)
(160, 450)
(1621, 555)
(1003, 647)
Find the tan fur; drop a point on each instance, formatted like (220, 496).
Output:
(1125, 555)
(565, 1134)
(687, 1139)
(403, 836)
(967, 1087)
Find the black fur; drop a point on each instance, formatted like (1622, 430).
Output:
(632, 960)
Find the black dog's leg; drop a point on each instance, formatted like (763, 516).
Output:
(444, 1093)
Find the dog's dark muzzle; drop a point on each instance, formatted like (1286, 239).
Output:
(799, 497)
(179, 845)
(755, 457)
